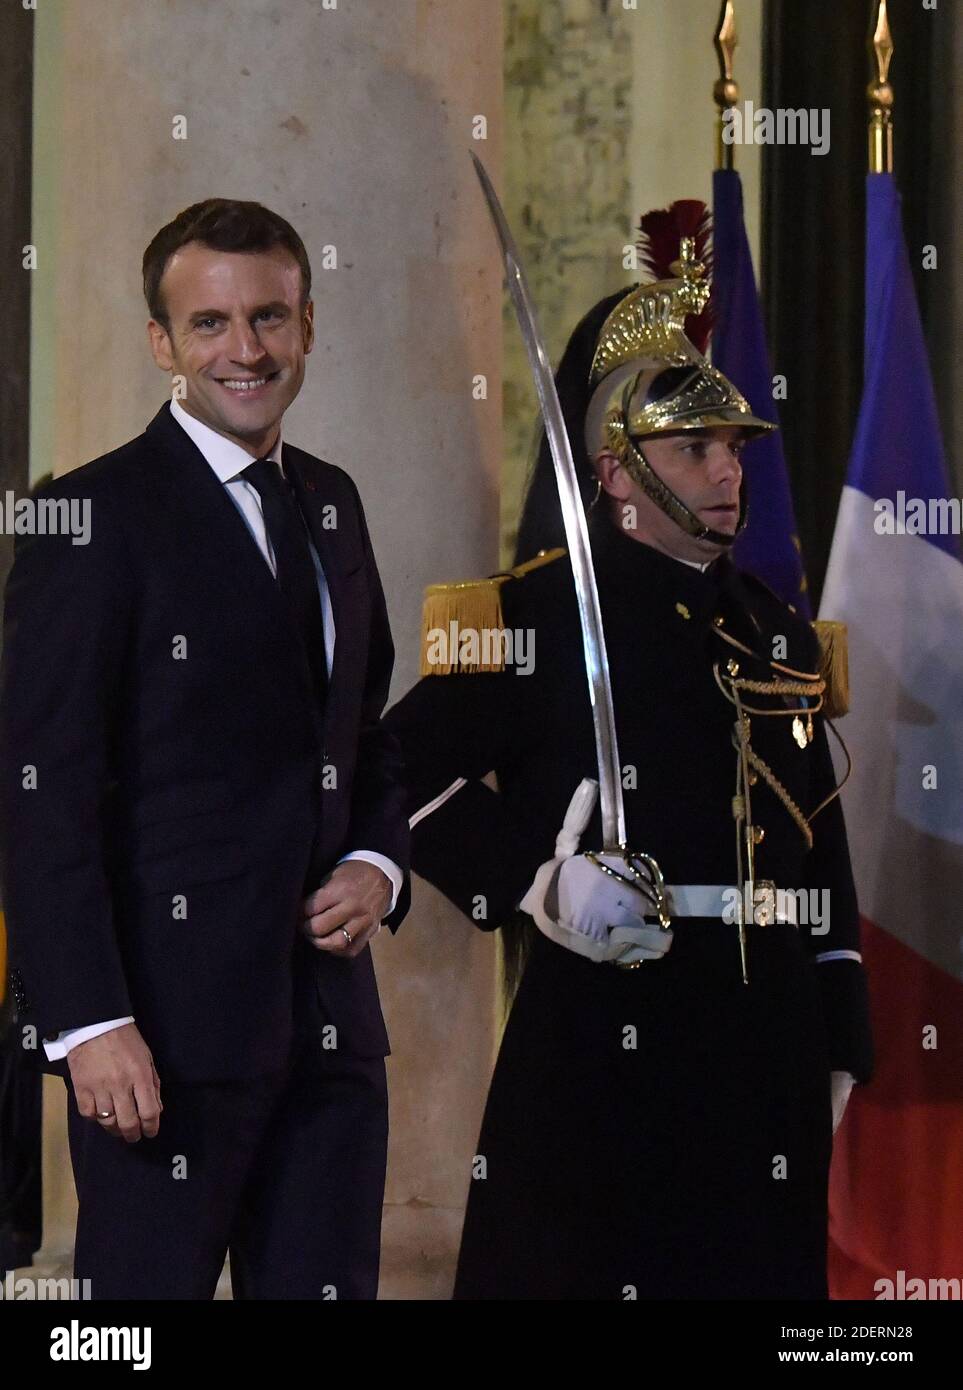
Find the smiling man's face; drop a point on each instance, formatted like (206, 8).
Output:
(238, 335)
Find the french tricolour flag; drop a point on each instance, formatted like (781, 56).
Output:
(896, 578)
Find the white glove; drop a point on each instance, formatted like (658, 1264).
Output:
(578, 906)
(841, 1083)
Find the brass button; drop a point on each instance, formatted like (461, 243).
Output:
(758, 834)
(717, 621)
(764, 903)
(732, 666)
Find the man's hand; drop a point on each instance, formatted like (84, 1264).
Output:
(346, 911)
(115, 1083)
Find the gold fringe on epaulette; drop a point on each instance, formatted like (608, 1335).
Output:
(461, 623)
(451, 610)
(833, 666)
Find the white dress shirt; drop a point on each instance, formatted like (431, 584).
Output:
(228, 461)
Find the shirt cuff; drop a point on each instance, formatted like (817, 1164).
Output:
(387, 866)
(72, 1037)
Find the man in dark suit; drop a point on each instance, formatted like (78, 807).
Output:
(190, 739)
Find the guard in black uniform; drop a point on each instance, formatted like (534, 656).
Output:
(662, 1131)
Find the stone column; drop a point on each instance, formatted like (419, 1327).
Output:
(352, 118)
(568, 128)
(673, 114)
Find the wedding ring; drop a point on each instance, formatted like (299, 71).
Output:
(105, 1114)
(347, 935)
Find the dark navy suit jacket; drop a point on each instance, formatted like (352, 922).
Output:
(169, 785)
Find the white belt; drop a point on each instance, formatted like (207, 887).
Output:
(771, 904)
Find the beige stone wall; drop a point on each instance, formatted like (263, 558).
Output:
(568, 123)
(673, 115)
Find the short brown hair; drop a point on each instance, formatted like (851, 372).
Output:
(223, 224)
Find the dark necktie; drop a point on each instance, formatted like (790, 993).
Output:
(296, 574)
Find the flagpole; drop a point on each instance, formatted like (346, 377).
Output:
(725, 91)
(879, 94)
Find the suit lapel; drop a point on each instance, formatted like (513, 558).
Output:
(212, 517)
(215, 529)
(314, 495)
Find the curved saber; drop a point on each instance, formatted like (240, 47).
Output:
(576, 530)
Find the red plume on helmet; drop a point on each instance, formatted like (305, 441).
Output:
(659, 244)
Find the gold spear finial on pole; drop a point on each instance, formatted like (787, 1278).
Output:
(879, 93)
(725, 92)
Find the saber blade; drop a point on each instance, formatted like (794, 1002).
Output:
(576, 530)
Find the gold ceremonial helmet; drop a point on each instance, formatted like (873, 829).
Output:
(648, 379)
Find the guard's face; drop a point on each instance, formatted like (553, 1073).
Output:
(238, 336)
(703, 469)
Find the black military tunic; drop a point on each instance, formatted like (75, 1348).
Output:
(663, 1132)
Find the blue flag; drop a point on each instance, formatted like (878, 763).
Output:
(898, 445)
(769, 547)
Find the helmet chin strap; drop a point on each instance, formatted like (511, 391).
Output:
(642, 472)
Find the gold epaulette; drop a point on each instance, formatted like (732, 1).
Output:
(833, 666)
(462, 623)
